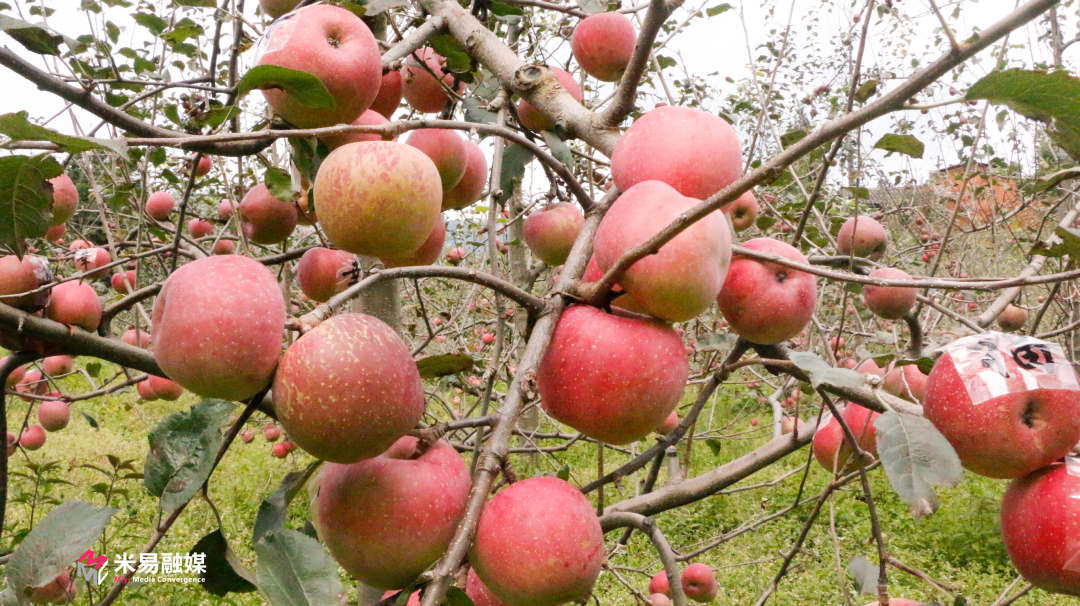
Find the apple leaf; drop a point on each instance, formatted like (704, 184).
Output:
(515, 159)
(1050, 97)
(304, 88)
(903, 144)
(791, 137)
(279, 183)
(864, 575)
(916, 457)
(474, 112)
(34, 38)
(271, 514)
(25, 198)
(18, 128)
(821, 372)
(1067, 243)
(433, 367)
(715, 445)
(455, 596)
(182, 452)
(559, 149)
(591, 7)
(718, 9)
(925, 364)
(293, 569)
(866, 90)
(225, 573)
(54, 544)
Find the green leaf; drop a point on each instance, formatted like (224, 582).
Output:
(714, 445)
(501, 9)
(196, 3)
(591, 7)
(182, 452)
(457, 597)
(1068, 244)
(559, 149)
(564, 473)
(864, 575)
(272, 510)
(475, 113)
(821, 372)
(225, 573)
(54, 544)
(791, 137)
(916, 457)
(904, 144)
(866, 90)
(25, 198)
(442, 365)
(718, 9)
(515, 159)
(279, 183)
(925, 364)
(1050, 97)
(91, 420)
(294, 570)
(34, 38)
(152, 22)
(19, 128)
(665, 62)
(302, 87)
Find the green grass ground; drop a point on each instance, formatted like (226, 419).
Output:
(959, 545)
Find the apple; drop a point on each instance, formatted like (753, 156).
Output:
(862, 236)
(89, 260)
(429, 251)
(289, 445)
(323, 273)
(898, 601)
(659, 599)
(603, 45)
(684, 278)
(532, 118)
(907, 382)
(217, 326)
(1040, 522)
(160, 205)
(123, 282)
(32, 383)
(414, 598)
(277, 8)
(695, 152)
(55, 233)
(18, 276)
(279, 450)
(65, 199)
(614, 378)
(142, 340)
(766, 302)
(550, 231)
(271, 432)
(743, 212)
(165, 389)
(78, 244)
(335, 46)
(472, 183)
(660, 584)
(225, 210)
(870, 367)
(32, 438)
(368, 118)
(1008, 404)
(58, 365)
(556, 526)
(455, 255)
(378, 198)
(75, 304)
(16, 374)
(422, 91)
(889, 302)
(356, 371)
(265, 219)
(479, 593)
(669, 424)
(446, 149)
(223, 247)
(203, 167)
(831, 449)
(1012, 318)
(389, 98)
(200, 228)
(247, 436)
(699, 583)
(54, 415)
(60, 590)
(387, 519)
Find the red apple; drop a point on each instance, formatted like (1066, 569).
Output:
(32, 383)
(54, 415)
(422, 91)
(164, 389)
(16, 375)
(123, 282)
(160, 205)
(669, 424)
(333, 45)
(766, 302)
(479, 593)
(532, 118)
(225, 210)
(699, 583)
(614, 378)
(660, 584)
(832, 450)
(889, 302)
(142, 340)
(428, 253)
(203, 167)
(684, 278)
(18, 276)
(79, 244)
(266, 220)
(223, 247)
(907, 382)
(65, 199)
(870, 367)
(863, 235)
(659, 599)
(217, 326)
(387, 519)
(247, 436)
(32, 438)
(55, 233)
(556, 526)
(323, 273)
(1012, 318)
(743, 211)
(271, 432)
(75, 304)
(455, 255)
(12, 443)
(355, 370)
(368, 118)
(550, 231)
(695, 152)
(389, 98)
(279, 450)
(603, 45)
(472, 183)
(446, 149)
(1008, 404)
(60, 590)
(200, 228)
(88, 260)
(58, 365)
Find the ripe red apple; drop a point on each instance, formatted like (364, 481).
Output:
(336, 47)
(32, 438)
(684, 278)
(203, 167)
(659, 599)
(18, 276)
(695, 152)
(831, 449)
(55, 233)
(550, 231)
(548, 519)
(889, 302)
(669, 424)
(389, 98)
(247, 436)
(143, 338)
(368, 118)
(225, 210)
(165, 389)
(863, 235)
(123, 282)
(79, 244)
(532, 118)
(60, 590)
(217, 326)
(15, 376)
(1040, 522)
(75, 304)
(266, 220)
(54, 415)
(699, 583)
(428, 253)
(421, 90)
(869, 366)
(65, 199)
(223, 247)
(614, 378)
(378, 198)
(766, 302)
(323, 273)
(603, 44)
(200, 228)
(660, 584)
(88, 260)
(277, 8)
(455, 255)
(479, 593)
(32, 383)
(1012, 318)
(743, 211)
(472, 183)
(279, 450)
(160, 205)
(58, 365)
(446, 149)
(353, 369)
(386, 519)
(907, 382)
(271, 432)
(1008, 404)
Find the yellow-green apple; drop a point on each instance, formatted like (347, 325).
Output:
(264, 218)
(472, 183)
(200, 228)
(532, 118)
(603, 44)
(336, 47)
(550, 231)
(323, 273)
(831, 448)
(446, 149)
(368, 118)
(160, 205)
(32, 438)
(551, 521)
(699, 583)
(685, 276)
(65, 199)
(387, 519)
(75, 303)
(58, 365)
(21, 276)
(378, 198)
(889, 302)
(863, 236)
(614, 378)
(695, 152)
(479, 593)
(1008, 404)
(423, 91)
(907, 382)
(766, 302)
(389, 97)
(353, 369)
(1012, 318)
(428, 253)
(88, 260)
(217, 326)
(54, 415)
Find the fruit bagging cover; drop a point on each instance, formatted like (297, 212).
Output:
(1000, 363)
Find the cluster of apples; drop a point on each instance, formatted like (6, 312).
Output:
(53, 414)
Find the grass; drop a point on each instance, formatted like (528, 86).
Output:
(958, 545)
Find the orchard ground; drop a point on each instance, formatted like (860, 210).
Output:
(959, 545)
